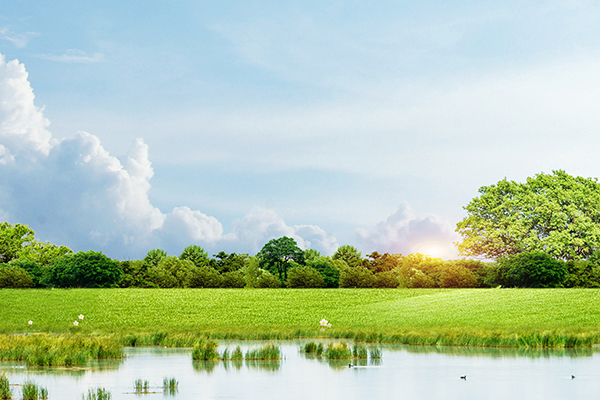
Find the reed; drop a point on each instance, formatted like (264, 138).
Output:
(338, 351)
(237, 354)
(141, 387)
(170, 386)
(205, 351)
(267, 352)
(97, 394)
(49, 350)
(375, 354)
(5, 391)
(31, 391)
(359, 352)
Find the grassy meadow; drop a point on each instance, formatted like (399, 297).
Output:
(486, 317)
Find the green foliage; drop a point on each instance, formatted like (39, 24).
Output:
(154, 256)
(43, 253)
(170, 386)
(141, 387)
(356, 277)
(5, 391)
(267, 280)
(251, 272)
(206, 351)
(311, 254)
(583, 274)
(457, 276)
(377, 263)
(98, 394)
(172, 272)
(304, 277)
(31, 391)
(387, 279)
(349, 254)
(84, 269)
(224, 262)
(196, 254)
(266, 352)
(558, 214)
(328, 270)
(276, 255)
(35, 270)
(338, 351)
(530, 269)
(15, 277)
(237, 354)
(205, 277)
(13, 238)
(233, 279)
(135, 274)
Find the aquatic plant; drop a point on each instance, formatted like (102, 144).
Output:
(205, 350)
(359, 352)
(237, 354)
(338, 351)
(267, 352)
(141, 387)
(170, 386)
(98, 394)
(5, 391)
(31, 391)
(375, 354)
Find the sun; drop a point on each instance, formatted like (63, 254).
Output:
(436, 249)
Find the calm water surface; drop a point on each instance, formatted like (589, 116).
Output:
(404, 372)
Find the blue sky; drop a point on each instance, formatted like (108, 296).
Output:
(229, 124)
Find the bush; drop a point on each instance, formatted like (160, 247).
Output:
(14, 277)
(304, 277)
(135, 274)
(530, 269)
(457, 276)
(171, 272)
(388, 279)
(233, 279)
(84, 269)
(34, 269)
(325, 266)
(415, 278)
(356, 277)
(267, 280)
(205, 277)
(581, 274)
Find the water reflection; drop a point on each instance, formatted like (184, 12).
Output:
(209, 366)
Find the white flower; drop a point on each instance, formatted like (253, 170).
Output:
(30, 322)
(323, 322)
(329, 325)
(75, 323)
(80, 316)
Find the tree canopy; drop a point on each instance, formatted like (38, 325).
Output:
(275, 256)
(555, 213)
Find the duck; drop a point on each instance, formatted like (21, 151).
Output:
(464, 377)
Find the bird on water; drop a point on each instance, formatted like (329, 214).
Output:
(464, 377)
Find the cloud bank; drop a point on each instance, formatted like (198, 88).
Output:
(72, 191)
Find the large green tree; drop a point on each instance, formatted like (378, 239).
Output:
(276, 255)
(13, 238)
(555, 213)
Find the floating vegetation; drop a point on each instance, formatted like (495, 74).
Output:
(267, 352)
(49, 350)
(340, 351)
(170, 386)
(97, 394)
(31, 391)
(141, 387)
(5, 392)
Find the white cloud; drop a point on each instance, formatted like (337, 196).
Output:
(405, 233)
(17, 39)
(73, 192)
(73, 56)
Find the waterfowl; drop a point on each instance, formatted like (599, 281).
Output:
(463, 377)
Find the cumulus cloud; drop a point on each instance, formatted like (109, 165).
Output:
(74, 192)
(404, 232)
(73, 56)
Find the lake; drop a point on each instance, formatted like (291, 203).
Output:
(404, 372)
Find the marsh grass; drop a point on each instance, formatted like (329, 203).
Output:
(63, 350)
(31, 391)
(266, 352)
(375, 354)
(237, 354)
(170, 386)
(141, 387)
(97, 394)
(206, 351)
(5, 391)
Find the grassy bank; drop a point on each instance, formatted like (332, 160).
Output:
(487, 317)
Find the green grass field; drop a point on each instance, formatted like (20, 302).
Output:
(489, 317)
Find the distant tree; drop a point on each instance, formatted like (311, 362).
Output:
(386, 279)
(251, 272)
(233, 279)
(356, 277)
(154, 256)
(350, 255)
(84, 269)
(377, 263)
(457, 276)
(557, 214)
(195, 254)
(267, 280)
(304, 277)
(530, 269)
(276, 255)
(224, 262)
(311, 254)
(582, 274)
(326, 267)
(13, 238)
(35, 270)
(171, 272)
(12, 276)
(206, 277)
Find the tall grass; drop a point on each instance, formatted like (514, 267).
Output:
(206, 351)
(97, 394)
(5, 391)
(141, 387)
(267, 352)
(170, 386)
(31, 391)
(48, 350)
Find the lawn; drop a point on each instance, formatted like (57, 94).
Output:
(493, 317)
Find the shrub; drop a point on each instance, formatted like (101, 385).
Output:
(233, 279)
(135, 274)
(267, 280)
(325, 266)
(530, 269)
(356, 277)
(414, 278)
(34, 269)
(304, 277)
(457, 276)
(84, 269)
(387, 279)
(154, 256)
(171, 272)
(582, 274)
(205, 277)
(14, 277)
(195, 254)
